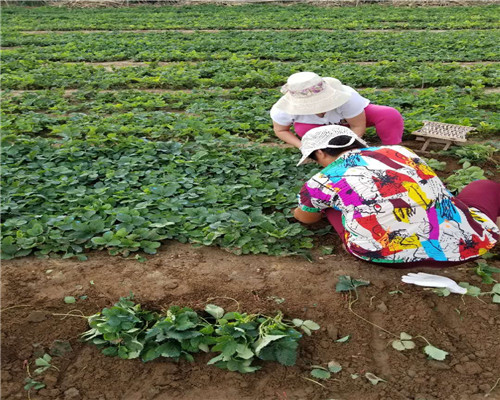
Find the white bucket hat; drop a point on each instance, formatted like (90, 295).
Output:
(319, 138)
(307, 93)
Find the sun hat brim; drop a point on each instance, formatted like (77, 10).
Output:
(321, 138)
(329, 99)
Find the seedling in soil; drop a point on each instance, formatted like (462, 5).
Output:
(442, 292)
(307, 326)
(127, 331)
(321, 372)
(346, 283)
(32, 384)
(403, 341)
(495, 293)
(44, 363)
(326, 250)
(473, 291)
(485, 272)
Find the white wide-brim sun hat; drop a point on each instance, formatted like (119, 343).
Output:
(307, 93)
(319, 138)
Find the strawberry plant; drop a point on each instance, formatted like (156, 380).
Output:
(120, 330)
(252, 16)
(241, 338)
(177, 335)
(128, 331)
(463, 177)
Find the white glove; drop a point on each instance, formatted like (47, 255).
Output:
(429, 280)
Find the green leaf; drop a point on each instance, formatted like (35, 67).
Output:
(313, 326)
(297, 322)
(496, 288)
(215, 359)
(69, 300)
(473, 291)
(435, 353)
(264, 341)
(346, 284)
(443, 292)
(398, 345)
(244, 351)
(496, 298)
(334, 366)
(170, 349)
(320, 374)
(343, 339)
(229, 348)
(215, 311)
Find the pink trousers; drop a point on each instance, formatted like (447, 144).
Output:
(387, 121)
(483, 195)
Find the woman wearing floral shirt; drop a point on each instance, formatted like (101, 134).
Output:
(389, 207)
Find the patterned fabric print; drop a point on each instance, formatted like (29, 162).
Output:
(395, 209)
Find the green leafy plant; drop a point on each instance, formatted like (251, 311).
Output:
(346, 283)
(44, 363)
(127, 331)
(31, 384)
(241, 338)
(324, 373)
(120, 330)
(405, 342)
(474, 153)
(486, 271)
(436, 165)
(178, 335)
(464, 176)
(307, 326)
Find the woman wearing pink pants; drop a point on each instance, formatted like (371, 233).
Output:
(310, 101)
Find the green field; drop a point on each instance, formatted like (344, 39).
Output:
(165, 140)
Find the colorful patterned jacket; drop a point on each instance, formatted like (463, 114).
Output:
(395, 209)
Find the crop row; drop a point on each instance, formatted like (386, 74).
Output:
(242, 112)
(56, 197)
(240, 72)
(252, 16)
(310, 45)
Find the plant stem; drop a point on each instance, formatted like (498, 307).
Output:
(20, 305)
(316, 382)
(364, 319)
(227, 298)
(69, 314)
(491, 390)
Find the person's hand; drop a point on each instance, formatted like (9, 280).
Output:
(430, 280)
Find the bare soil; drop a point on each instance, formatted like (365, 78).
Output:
(468, 328)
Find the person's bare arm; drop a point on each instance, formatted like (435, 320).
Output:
(307, 217)
(283, 132)
(357, 124)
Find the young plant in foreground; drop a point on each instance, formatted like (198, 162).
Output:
(127, 331)
(120, 330)
(177, 335)
(403, 341)
(242, 338)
